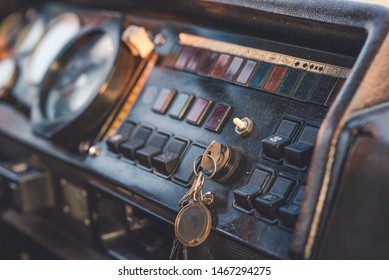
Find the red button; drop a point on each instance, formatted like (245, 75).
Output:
(335, 91)
(217, 118)
(220, 65)
(194, 61)
(163, 101)
(275, 78)
(198, 111)
(183, 57)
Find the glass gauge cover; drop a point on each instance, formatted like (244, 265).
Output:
(29, 36)
(59, 32)
(77, 82)
(85, 85)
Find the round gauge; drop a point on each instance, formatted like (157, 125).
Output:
(29, 36)
(82, 72)
(8, 29)
(84, 85)
(7, 73)
(59, 32)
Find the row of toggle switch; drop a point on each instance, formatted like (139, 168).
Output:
(270, 197)
(154, 150)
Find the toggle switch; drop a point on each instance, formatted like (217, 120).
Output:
(243, 127)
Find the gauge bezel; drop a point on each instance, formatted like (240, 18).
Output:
(50, 26)
(71, 129)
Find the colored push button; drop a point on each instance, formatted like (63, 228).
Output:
(300, 152)
(207, 62)
(245, 195)
(305, 86)
(335, 91)
(136, 142)
(217, 118)
(183, 57)
(184, 172)
(180, 106)
(153, 147)
(195, 60)
(260, 75)
(291, 79)
(268, 204)
(289, 213)
(273, 146)
(246, 72)
(275, 78)
(233, 69)
(114, 141)
(198, 111)
(163, 101)
(220, 66)
(166, 162)
(322, 89)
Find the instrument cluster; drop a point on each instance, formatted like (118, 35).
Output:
(61, 66)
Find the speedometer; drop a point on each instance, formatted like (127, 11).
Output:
(84, 86)
(81, 73)
(59, 32)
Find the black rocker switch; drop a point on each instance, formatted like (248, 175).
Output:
(245, 195)
(269, 203)
(153, 147)
(300, 152)
(273, 146)
(290, 212)
(114, 141)
(136, 142)
(166, 162)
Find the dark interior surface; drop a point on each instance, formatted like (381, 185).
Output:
(109, 109)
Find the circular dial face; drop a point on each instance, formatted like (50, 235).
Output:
(7, 73)
(83, 70)
(60, 31)
(29, 36)
(8, 28)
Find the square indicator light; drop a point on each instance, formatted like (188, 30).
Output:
(183, 57)
(246, 72)
(322, 89)
(335, 91)
(220, 66)
(260, 75)
(217, 118)
(180, 106)
(233, 69)
(198, 111)
(163, 101)
(275, 78)
(290, 80)
(195, 60)
(206, 64)
(305, 86)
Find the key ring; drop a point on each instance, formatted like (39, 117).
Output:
(196, 161)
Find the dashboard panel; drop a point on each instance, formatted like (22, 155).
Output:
(125, 127)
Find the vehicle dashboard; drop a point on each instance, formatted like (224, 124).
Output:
(111, 111)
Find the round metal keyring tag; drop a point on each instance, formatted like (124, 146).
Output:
(193, 224)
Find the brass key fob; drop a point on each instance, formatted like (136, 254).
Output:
(193, 223)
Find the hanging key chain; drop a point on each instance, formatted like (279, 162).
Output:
(193, 222)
